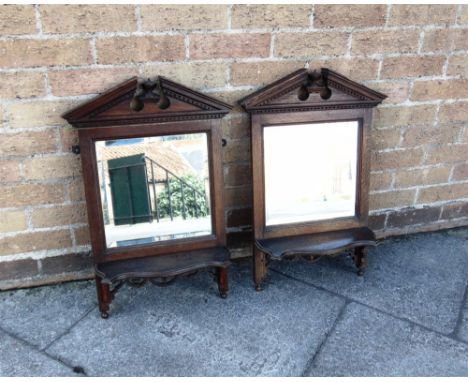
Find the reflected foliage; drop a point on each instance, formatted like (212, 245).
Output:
(177, 194)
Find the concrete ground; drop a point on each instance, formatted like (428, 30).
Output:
(408, 316)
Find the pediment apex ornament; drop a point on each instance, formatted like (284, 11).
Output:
(295, 91)
(146, 101)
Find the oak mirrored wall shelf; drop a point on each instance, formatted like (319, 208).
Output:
(151, 155)
(310, 168)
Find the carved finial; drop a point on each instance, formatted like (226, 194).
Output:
(149, 89)
(317, 82)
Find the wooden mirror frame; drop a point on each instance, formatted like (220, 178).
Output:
(301, 98)
(110, 116)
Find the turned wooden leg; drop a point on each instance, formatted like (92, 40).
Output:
(360, 259)
(260, 268)
(104, 297)
(223, 283)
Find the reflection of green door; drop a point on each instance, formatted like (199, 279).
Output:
(129, 190)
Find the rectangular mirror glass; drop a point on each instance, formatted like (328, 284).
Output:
(310, 171)
(154, 188)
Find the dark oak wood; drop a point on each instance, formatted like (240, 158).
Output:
(165, 109)
(322, 243)
(304, 97)
(166, 265)
(222, 279)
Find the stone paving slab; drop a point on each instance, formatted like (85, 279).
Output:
(185, 329)
(419, 277)
(368, 343)
(20, 360)
(40, 315)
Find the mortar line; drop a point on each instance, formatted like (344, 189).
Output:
(407, 320)
(311, 362)
(36, 348)
(44, 349)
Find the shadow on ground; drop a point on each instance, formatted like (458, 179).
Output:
(408, 316)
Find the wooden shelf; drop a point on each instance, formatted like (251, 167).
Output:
(167, 265)
(326, 243)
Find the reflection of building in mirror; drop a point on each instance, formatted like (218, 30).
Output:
(154, 188)
(310, 171)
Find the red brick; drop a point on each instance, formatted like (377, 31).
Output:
(391, 199)
(404, 115)
(455, 211)
(59, 215)
(70, 263)
(358, 16)
(377, 222)
(27, 143)
(413, 216)
(237, 174)
(163, 17)
(9, 171)
(311, 44)
(411, 14)
(422, 176)
(383, 160)
(35, 241)
(458, 65)
(118, 50)
(380, 181)
(439, 89)
(396, 92)
(197, 75)
(220, 45)
(30, 53)
(87, 81)
(419, 135)
(30, 194)
(460, 172)
(79, 18)
(460, 39)
(385, 41)
(82, 236)
(236, 126)
(236, 150)
(261, 73)
(22, 85)
(385, 139)
(456, 112)
(401, 67)
(17, 19)
(270, 16)
(54, 167)
(358, 69)
(238, 196)
(442, 193)
(446, 153)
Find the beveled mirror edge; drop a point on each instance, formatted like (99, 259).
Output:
(352, 210)
(155, 221)
(258, 120)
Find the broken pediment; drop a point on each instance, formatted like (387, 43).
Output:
(304, 91)
(145, 102)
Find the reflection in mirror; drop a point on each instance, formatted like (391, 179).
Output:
(154, 188)
(310, 171)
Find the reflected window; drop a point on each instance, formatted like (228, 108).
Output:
(154, 188)
(310, 171)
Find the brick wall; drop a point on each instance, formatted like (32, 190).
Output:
(54, 57)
